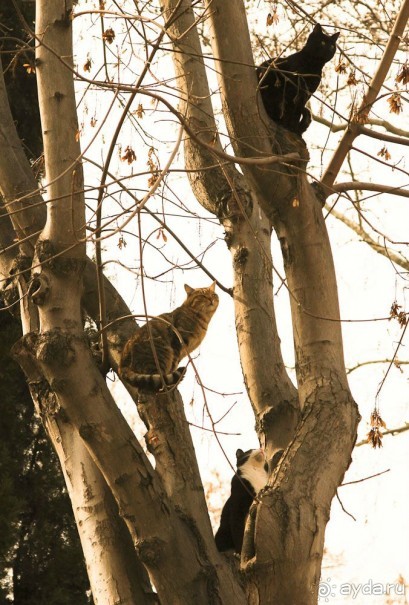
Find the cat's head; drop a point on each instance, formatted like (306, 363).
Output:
(250, 457)
(202, 299)
(253, 467)
(320, 44)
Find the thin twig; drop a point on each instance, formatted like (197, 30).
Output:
(344, 509)
(365, 478)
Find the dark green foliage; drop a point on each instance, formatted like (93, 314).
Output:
(17, 50)
(41, 561)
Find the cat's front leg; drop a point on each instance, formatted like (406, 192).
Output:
(305, 120)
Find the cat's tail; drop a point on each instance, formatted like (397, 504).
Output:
(152, 382)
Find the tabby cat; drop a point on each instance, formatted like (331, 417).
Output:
(188, 322)
(287, 83)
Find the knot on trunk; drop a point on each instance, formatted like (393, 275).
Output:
(44, 398)
(20, 268)
(55, 349)
(234, 203)
(150, 550)
(240, 258)
(62, 266)
(39, 289)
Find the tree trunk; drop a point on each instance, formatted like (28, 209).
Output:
(223, 191)
(134, 519)
(73, 383)
(285, 534)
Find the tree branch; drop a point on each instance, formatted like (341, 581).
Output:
(251, 131)
(329, 409)
(369, 99)
(15, 181)
(396, 431)
(106, 543)
(360, 186)
(223, 191)
(396, 362)
(398, 259)
(65, 223)
(403, 135)
(381, 136)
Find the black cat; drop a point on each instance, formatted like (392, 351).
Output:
(251, 476)
(287, 83)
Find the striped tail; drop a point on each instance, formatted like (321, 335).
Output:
(152, 382)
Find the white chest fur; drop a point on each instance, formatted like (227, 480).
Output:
(255, 475)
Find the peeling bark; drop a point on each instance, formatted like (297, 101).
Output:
(114, 571)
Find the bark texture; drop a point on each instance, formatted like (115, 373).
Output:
(157, 526)
(159, 514)
(27, 211)
(222, 190)
(285, 534)
(113, 569)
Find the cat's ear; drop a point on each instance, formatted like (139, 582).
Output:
(317, 29)
(239, 454)
(188, 289)
(335, 36)
(212, 288)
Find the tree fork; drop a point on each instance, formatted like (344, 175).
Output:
(145, 508)
(226, 193)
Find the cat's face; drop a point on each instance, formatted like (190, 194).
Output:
(251, 458)
(252, 466)
(320, 44)
(202, 299)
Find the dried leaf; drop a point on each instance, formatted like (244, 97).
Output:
(375, 437)
(341, 68)
(162, 234)
(93, 122)
(403, 75)
(395, 103)
(87, 65)
(400, 316)
(352, 81)
(140, 111)
(109, 35)
(403, 319)
(273, 18)
(377, 421)
(121, 242)
(394, 310)
(153, 167)
(129, 155)
(384, 153)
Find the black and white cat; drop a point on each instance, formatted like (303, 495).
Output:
(287, 83)
(251, 476)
